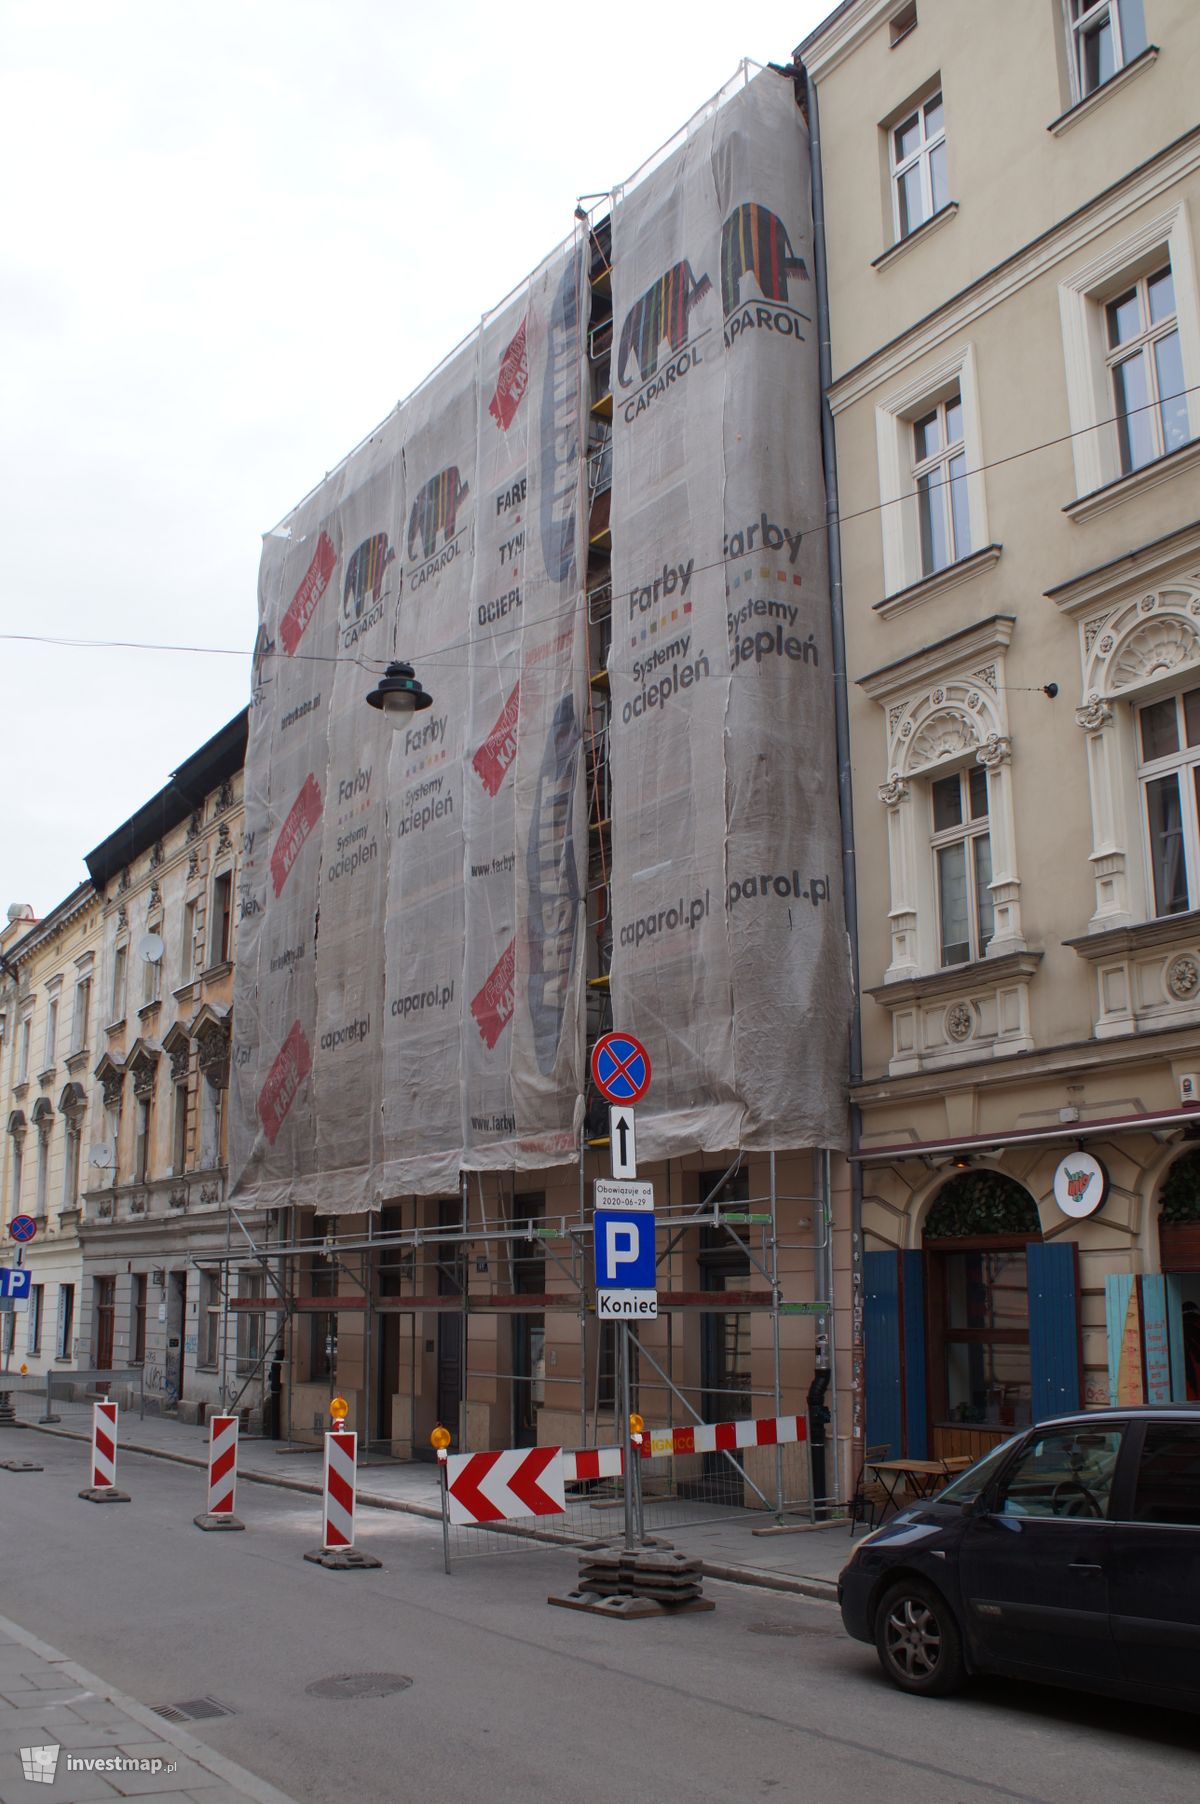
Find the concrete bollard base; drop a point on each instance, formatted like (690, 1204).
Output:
(343, 1559)
(210, 1522)
(104, 1494)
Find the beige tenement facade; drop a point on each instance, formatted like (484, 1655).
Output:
(49, 1002)
(1011, 203)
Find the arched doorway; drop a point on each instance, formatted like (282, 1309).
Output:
(975, 1242)
(974, 1333)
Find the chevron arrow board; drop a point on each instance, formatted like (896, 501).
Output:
(495, 1487)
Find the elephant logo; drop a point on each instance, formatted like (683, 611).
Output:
(436, 510)
(662, 312)
(364, 574)
(753, 238)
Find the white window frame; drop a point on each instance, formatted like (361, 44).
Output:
(1082, 298)
(920, 159)
(1082, 17)
(41, 1193)
(17, 1169)
(187, 953)
(899, 512)
(208, 1342)
(64, 1327)
(965, 834)
(1142, 347)
(938, 499)
(50, 1040)
(72, 1159)
(1184, 764)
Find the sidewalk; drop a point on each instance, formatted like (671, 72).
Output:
(802, 1560)
(53, 1711)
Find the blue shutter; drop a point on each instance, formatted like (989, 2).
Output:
(881, 1349)
(912, 1269)
(1053, 1327)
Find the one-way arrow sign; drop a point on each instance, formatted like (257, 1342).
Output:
(494, 1487)
(622, 1144)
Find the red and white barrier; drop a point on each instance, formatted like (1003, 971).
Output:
(222, 1464)
(723, 1437)
(104, 1446)
(702, 1437)
(340, 1487)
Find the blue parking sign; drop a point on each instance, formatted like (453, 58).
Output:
(626, 1266)
(15, 1281)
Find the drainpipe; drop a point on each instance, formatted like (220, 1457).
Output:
(845, 791)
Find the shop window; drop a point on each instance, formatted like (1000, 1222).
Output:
(137, 1334)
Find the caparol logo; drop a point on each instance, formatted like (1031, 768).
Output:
(435, 511)
(755, 241)
(662, 312)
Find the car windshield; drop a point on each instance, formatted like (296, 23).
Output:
(967, 1486)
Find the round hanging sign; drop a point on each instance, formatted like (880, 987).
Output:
(1080, 1185)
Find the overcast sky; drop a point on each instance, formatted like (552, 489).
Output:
(235, 235)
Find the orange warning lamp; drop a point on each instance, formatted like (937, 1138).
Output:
(636, 1426)
(24, 1368)
(339, 1409)
(440, 1438)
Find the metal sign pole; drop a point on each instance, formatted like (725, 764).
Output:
(627, 1438)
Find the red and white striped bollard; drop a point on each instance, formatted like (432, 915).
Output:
(222, 1474)
(103, 1488)
(339, 1492)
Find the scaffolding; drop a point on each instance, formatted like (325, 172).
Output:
(378, 1271)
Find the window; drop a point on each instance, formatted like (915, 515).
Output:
(64, 1334)
(51, 1032)
(322, 1342)
(220, 940)
(1131, 344)
(43, 1174)
(985, 1336)
(24, 1045)
(1146, 364)
(1066, 1472)
(179, 1132)
(902, 23)
(74, 1146)
(933, 512)
(212, 1109)
(249, 1325)
(1104, 36)
(918, 154)
(1169, 772)
(210, 1319)
(187, 951)
(18, 1161)
(137, 1335)
(962, 853)
(1168, 1480)
(33, 1321)
(82, 1010)
(940, 481)
(141, 1141)
(120, 958)
(152, 968)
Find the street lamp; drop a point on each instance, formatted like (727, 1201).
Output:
(399, 694)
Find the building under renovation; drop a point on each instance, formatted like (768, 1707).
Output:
(596, 532)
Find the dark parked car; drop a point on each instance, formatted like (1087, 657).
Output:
(1070, 1554)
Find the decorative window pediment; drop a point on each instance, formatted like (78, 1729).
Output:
(17, 1122)
(42, 1114)
(177, 1045)
(112, 1080)
(73, 1101)
(1141, 642)
(210, 1031)
(142, 1066)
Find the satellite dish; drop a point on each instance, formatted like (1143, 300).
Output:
(150, 948)
(103, 1154)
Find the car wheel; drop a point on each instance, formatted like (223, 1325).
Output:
(917, 1639)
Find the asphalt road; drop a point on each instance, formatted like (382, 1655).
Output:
(511, 1700)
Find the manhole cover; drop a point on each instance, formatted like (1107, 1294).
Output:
(359, 1685)
(785, 1630)
(197, 1710)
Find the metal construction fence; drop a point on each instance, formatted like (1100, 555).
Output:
(713, 1473)
(68, 1395)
